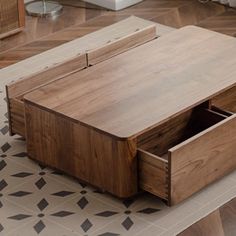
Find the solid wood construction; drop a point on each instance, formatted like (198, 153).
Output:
(142, 119)
(12, 17)
(109, 164)
(69, 58)
(18, 89)
(226, 100)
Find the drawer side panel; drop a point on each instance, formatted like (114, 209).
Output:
(153, 174)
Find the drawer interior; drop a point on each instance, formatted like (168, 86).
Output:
(175, 131)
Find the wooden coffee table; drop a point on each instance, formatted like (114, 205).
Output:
(143, 119)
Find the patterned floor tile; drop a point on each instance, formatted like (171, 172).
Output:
(41, 194)
(134, 204)
(125, 226)
(145, 206)
(12, 216)
(70, 181)
(12, 174)
(84, 214)
(42, 227)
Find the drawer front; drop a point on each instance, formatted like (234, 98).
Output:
(153, 174)
(202, 159)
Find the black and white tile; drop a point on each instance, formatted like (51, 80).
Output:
(36, 200)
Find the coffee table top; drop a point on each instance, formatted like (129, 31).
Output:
(142, 88)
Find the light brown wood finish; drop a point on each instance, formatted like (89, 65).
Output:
(72, 57)
(138, 37)
(82, 152)
(91, 42)
(153, 174)
(12, 17)
(226, 100)
(16, 90)
(108, 96)
(167, 135)
(127, 96)
(202, 159)
(201, 144)
(21, 13)
(17, 117)
(48, 74)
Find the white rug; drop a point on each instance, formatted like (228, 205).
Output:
(35, 200)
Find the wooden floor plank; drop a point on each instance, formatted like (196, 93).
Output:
(175, 13)
(224, 23)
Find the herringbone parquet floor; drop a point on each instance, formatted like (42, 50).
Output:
(74, 22)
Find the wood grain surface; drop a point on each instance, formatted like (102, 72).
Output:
(202, 159)
(12, 17)
(63, 60)
(79, 46)
(226, 100)
(82, 152)
(128, 89)
(153, 174)
(174, 13)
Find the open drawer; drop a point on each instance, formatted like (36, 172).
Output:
(188, 152)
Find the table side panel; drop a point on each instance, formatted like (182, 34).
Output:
(82, 152)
